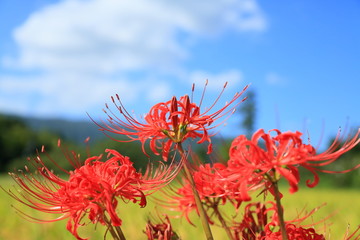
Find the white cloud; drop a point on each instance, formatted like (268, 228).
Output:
(113, 35)
(273, 78)
(80, 52)
(61, 95)
(73, 95)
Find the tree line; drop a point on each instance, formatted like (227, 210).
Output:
(18, 142)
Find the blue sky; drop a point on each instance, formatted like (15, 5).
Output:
(66, 58)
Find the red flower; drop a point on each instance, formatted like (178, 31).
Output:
(160, 231)
(352, 236)
(282, 156)
(259, 224)
(92, 189)
(168, 122)
(295, 233)
(253, 224)
(214, 187)
(216, 181)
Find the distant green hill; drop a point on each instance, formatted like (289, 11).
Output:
(76, 131)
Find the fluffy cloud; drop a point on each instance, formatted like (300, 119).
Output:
(112, 35)
(61, 95)
(71, 95)
(81, 52)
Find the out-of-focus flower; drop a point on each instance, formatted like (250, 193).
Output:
(168, 122)
(215, 181)
(160, 231)
(282, 155)
(92, 189)
(352, 236)
(214, 189)
(260, 222)
(295, 233)
(256, 219)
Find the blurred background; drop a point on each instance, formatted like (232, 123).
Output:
(62, 59)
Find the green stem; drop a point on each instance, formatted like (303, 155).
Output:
(120, 233)
(222, 221)
(280, 210)
(199, 205)
(111, 229)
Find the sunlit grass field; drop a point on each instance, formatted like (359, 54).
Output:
(342, 208)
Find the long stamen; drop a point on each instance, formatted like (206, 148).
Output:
(192, 92)
(203, 93)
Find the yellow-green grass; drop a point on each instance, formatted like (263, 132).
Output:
(342, 206)
(342, 209)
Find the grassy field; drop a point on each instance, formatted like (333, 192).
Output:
(342, 206)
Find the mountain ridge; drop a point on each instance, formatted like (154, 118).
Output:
(74, 130)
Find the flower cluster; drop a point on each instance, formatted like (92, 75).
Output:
(215, 185)
(259, 224)
(168, 123)
(282, 155)
(96, 188)
(255, 165)
(160, 231)
(252, 166)
(92, 189)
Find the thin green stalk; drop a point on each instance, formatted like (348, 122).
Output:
(199, 205)
(114, 234)
(222, 221)
(280, 211)
(120, 233)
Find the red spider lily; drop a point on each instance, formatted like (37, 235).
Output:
(282, 156)
(296, 230)
(214, 187)
(353, 236)
(295, 233)
(160, 231)
(216, 181)
(92, 189)
(168, 122)
(181, 200)
(255, 221)
(259, 224)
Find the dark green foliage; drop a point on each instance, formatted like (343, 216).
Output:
(17, 140)
(346, 161)
(248, 111)
(76, 131)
